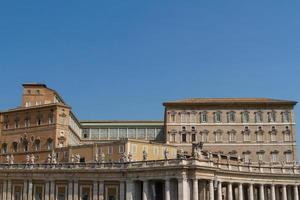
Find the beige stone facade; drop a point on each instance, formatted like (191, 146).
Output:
(258, 130)
(205, 149)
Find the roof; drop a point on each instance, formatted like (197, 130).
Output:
(122, 123)
(229, 101)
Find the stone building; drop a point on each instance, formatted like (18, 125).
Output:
(205, 149)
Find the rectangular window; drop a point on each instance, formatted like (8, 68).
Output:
(247, 158)
(217, 117)
(150, 133)
(103, 133)
(110, 150)
(141, 133)
(273, 137)
(131, 133)
(203, 117)
(288, 157)
(193, 137)
(247, 137)
(258, 117)
(260, 157)
(192, 118)
(86, 133)
(123, 132)
(183, 137)
(121, 148)
(173, 138)
(274, 157)
(173, 118)
(94, 133)
(113, 133)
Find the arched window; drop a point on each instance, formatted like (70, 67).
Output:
(204, 136)
(203, 117)
(232, 135)
(25, 146)
(272, 116)
(258, 117)
(285, 116)
(218, 135)
(245, 117)
(51, 117)
(50, 144)
(231, 117)
(15, 147)
(37, 145)
(4, 148)
(218, 117)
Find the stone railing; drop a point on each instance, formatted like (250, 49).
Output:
(237, 167)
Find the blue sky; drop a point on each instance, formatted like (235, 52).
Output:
(122, 59)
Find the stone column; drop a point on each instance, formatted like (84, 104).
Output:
(296, 195)
(70, 190)
(273, 195)
(219, 190)
(129, 190)
(25, 190)
(261, 192)
(284, 196)
(229, 187)
(211, 190)
(251, 192)
(182, 189)
(146, 189)
(47, 190)
(277, 193)
(101, 190)
(241, 193)
(95, 190)
(167, 189)
(122, 190)
(195, 189)
(289, 193)
(30, 187)
(4, 190)
(8, 196)
(75, 189)
(52, 189)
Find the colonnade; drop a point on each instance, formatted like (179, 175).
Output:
(160, 189)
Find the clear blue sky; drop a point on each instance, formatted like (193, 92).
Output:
(122, 59)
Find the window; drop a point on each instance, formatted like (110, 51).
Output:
(184, 117)
(123, 133)
(121, 148)
(183, 137)
(193, 137)
(245, 117)
(28, 104)
(94, 132)
(259, 136)
(37, 145)
(273, 134)
(110, 150)
(260, 156)
(203, 117)
(4, 148)
(274, 157)
(272, 116)
(173, 137)
(288, 156)
(247, 157)
(232, 136)
(258, 117)
(218, 136)
(231, 117)
(218, 117)
(85, 133)
(287, 134)
(141, 133)
(173, 117)
(132, 133)
(246, 132)
(25, 145)
(27, 122)
(17, 122)
(204, 136)
(49, 144)
(51, 118)
(285, 117)
(15, 147)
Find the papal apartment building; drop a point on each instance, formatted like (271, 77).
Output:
(204, 149)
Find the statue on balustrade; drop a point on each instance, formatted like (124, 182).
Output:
(145, 155)
(123, 158)
(77, 158)
(27, 159)
(181, 154)
(32, 159)
(166, 154)
(197, 150)
(11, 160)
(102, 157)
(129, 157)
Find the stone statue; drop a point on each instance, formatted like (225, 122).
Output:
(145, 155)
(123, 158)
(49, 158)
(27, 159)
(102, 157)
(181, 154)
(11, 161)
(166, 154)
(72, 158)
(32, 159)
(7, 159)
(129, 157)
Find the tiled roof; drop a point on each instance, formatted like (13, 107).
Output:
(229, 101)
